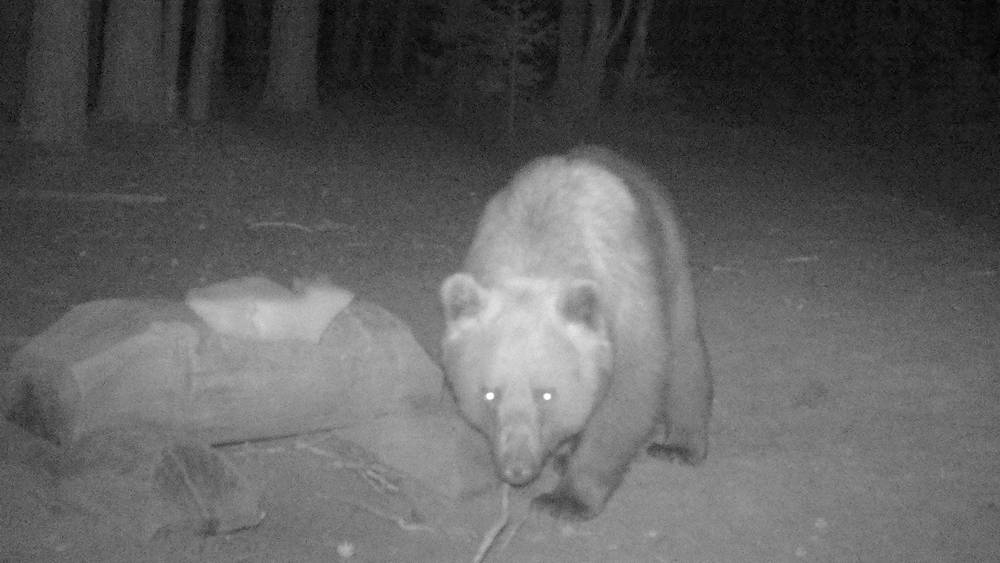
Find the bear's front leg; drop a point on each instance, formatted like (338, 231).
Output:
(572, 502)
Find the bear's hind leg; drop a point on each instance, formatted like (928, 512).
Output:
(661, 447)
(687, 404)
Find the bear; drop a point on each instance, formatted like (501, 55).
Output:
(571, 330)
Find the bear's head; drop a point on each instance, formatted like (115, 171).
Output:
(527, 360)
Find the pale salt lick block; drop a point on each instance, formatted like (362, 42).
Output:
(257, 308)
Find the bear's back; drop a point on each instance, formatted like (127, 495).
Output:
(561, 218)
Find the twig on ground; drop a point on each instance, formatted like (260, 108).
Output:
(279, 225)
(403, 523)
(514, 530)
(374, 473)
(491, 535)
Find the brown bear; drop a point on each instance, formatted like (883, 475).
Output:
(572, 329)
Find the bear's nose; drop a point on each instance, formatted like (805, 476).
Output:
(516, 474)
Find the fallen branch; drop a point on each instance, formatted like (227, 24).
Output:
(279, 225)
(491, 535)
(407, 525)
(320, 227)
(374, 473)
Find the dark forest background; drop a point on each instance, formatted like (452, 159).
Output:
(903, 74)
(927, 60)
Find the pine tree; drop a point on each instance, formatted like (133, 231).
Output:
(492, 48)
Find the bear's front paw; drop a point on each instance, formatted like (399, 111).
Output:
(564, 505)
(676, 454)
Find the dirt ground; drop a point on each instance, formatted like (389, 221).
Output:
(854, 335)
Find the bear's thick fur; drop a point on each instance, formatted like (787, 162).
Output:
(573, 328)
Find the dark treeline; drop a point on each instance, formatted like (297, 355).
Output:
(890, 53)
(931, 58)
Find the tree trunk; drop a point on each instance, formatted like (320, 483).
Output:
(368, 36)
(253, 58)
(173, 15)
(602, 38)
(15, 31)
(345, 35)
(203, 59)
(581, 86)
(572, 19)
(131, 81)
(95, 51)
(804, 30)
(55, 98)
(400, 37)
(636, 53)
(291, 73)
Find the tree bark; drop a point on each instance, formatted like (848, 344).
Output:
(580, 83)
(400, 37)
(291, 75)
(203, 59)
(804, 29)
(131, 80)
(345, 36)
(572, 18)
(368, 36)
(252, 65)
(173, 15)
(996, 30)
(55, 98)
(636, 53)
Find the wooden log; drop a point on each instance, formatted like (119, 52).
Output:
(108, 362)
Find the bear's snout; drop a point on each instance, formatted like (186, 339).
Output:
(518, 456)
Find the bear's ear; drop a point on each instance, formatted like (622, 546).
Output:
(462, 297)
(580, 304)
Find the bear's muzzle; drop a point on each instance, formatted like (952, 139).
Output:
(518, 454)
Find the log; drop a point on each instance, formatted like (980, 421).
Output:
(108, 362)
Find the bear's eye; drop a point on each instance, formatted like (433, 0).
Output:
(545, 395)
(490, 395)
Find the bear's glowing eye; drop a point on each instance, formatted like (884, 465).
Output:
(545, 395)
(490, 396)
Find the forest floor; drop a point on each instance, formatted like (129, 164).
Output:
(854, 330)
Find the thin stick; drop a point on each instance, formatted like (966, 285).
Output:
(403, 523)
(374, 473)
(514, 530)
(279, 225)
(491, 535)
